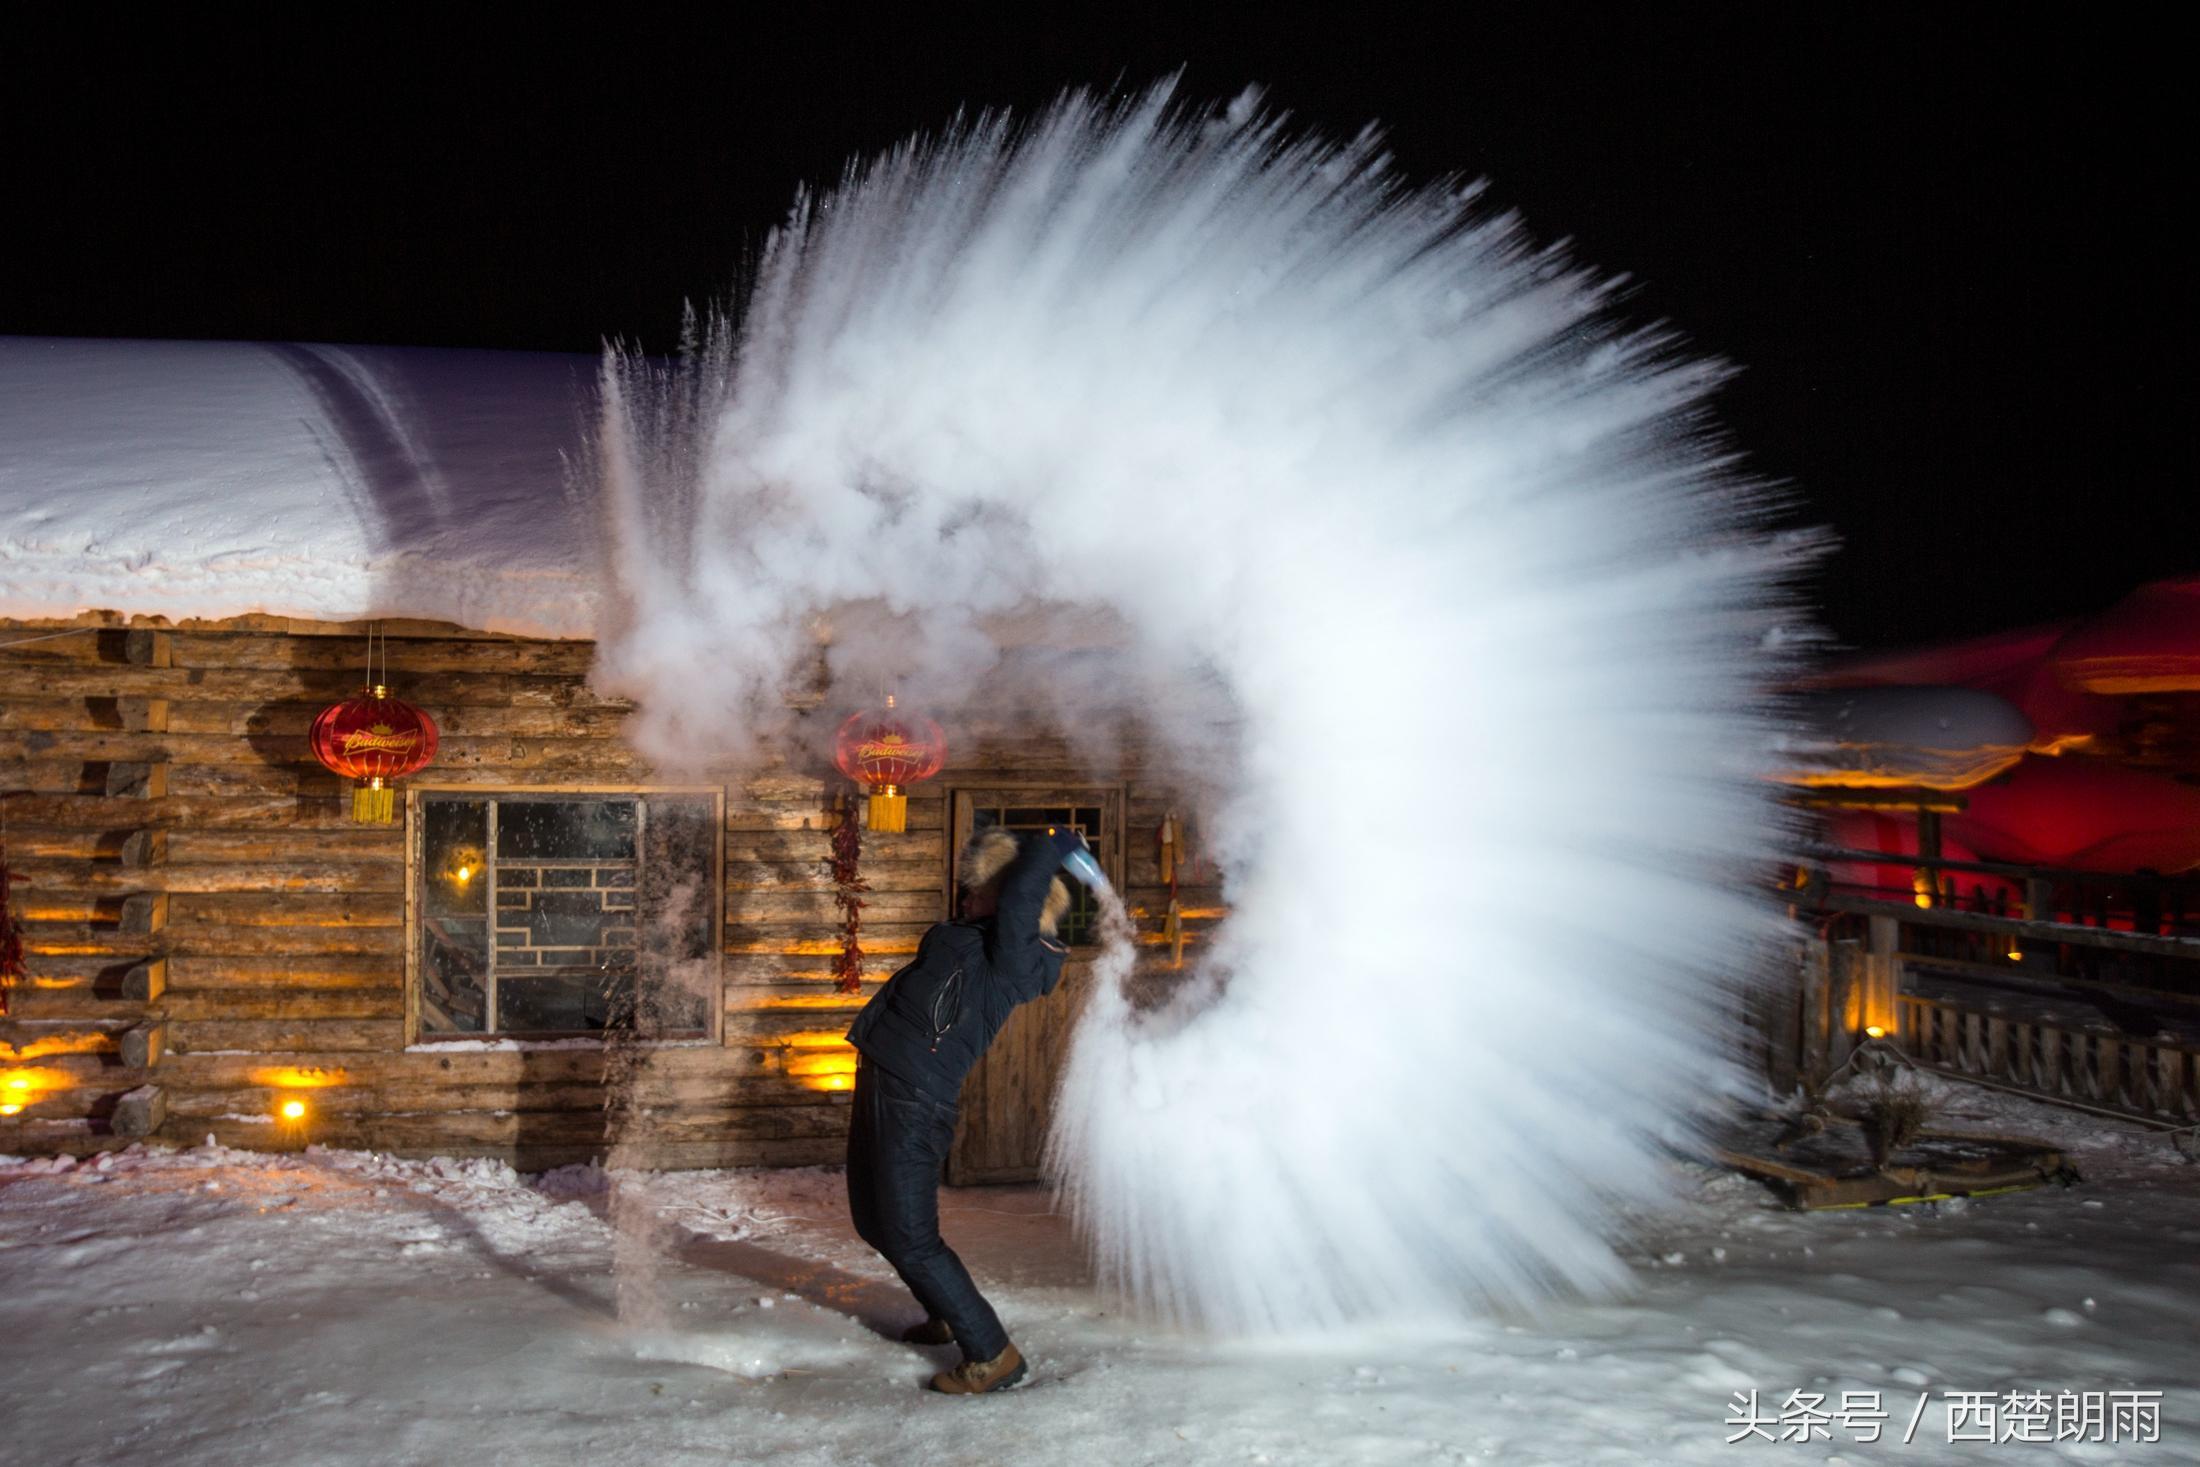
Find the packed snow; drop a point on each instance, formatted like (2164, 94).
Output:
(218, 1307)
(212, 479)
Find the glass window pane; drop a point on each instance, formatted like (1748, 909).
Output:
(569, 918)
(567, 1001)
(676, 897)
(454, 970)
(557, 919)
(565, 830)
(453, 867)
(676, 904)
(1080, 923)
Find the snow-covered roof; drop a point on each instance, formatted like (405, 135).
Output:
(212, 479)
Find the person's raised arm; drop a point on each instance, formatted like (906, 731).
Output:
(1017, 948)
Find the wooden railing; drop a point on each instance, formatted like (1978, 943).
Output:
(2150, 1079)
(2141, 901)
(1863, 962)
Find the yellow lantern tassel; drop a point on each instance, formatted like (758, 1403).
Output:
(889, 809)
(1168, 849)
(1172, 929)
(374, 803)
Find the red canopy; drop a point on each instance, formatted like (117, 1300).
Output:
(2149, 642)
(2085, 814)
(2015, 666)
(2073, 680)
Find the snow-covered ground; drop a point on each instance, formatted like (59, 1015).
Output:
(218, 1307)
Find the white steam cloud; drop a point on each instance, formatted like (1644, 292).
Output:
(1434, 584)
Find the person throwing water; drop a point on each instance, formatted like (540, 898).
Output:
(916, 1039)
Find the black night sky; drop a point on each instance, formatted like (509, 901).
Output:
(1939, 241)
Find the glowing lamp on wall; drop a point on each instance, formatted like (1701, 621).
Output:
(829, 1066)
(292, 1117)
(374, 739)
(886, 751)
(22, 1088)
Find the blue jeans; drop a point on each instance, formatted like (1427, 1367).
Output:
(897, 1145)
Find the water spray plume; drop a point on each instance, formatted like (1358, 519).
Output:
(1439, 598)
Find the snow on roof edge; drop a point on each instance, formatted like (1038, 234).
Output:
(210, 480)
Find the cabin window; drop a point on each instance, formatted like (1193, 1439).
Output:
(566, 912)
(1093, 813)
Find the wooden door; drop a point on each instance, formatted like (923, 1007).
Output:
(1008, 1101)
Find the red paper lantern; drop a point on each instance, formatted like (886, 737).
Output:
(886, 751)
(374, 739)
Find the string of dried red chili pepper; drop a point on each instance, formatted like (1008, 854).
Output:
(11, 936)
(848, 887)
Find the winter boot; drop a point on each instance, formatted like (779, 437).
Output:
(934, 1331)
(976, 1377)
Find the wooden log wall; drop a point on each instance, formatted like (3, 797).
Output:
(210, 937)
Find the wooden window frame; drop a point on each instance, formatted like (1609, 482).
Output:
(415, 834)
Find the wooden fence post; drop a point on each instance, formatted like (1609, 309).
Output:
(1835, 1030)
(1882, 977)
(1811, 1046)
(1844, 971)
(2039, 906)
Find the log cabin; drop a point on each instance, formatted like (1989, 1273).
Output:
(205, 545)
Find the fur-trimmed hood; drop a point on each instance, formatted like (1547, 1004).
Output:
(989, 853)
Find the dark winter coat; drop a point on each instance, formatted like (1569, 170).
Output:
(933, 1019)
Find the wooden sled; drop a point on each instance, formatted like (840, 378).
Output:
(1833, 1168)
